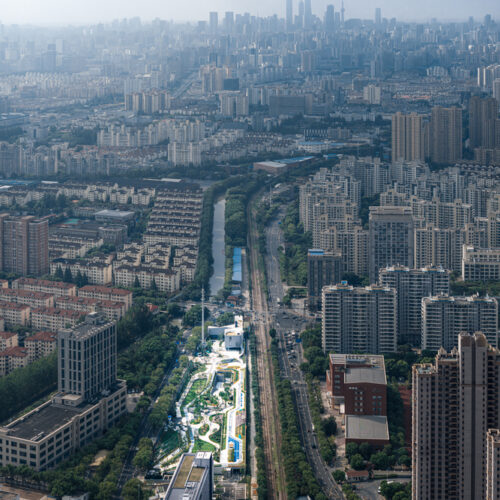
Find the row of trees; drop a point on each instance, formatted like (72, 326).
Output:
(300, 478)
(293, 262)
(262, 489)
(67, 276)
(170, 392)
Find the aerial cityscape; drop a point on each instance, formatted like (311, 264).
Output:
(250, 251)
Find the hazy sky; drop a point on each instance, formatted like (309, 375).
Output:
(85, 11)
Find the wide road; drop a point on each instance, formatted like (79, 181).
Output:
(291, 357)
(271, 428)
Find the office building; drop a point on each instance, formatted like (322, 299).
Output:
(93, 344)
(446, 135)
(391, 238)
(90, 400)
(193, 478)
(323, 268)
(444, 317)
(378, 16)
(411, 286)
(359, 320)
(407, 137)
(24, 245)
(456, 401)
(493, 464)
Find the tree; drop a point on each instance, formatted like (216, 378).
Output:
(380, 460)
(193, 316)
(366, 450)
(136, 283)
(339, 475)
(59, 273)
(154, 287)
(330, 426)
(357, 462)
(68, 277)
(133, 490)
(351, 449)
(226, 318)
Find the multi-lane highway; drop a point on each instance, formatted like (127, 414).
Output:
(291, 357)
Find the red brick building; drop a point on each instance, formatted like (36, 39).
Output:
(359, 386)
(360, 380)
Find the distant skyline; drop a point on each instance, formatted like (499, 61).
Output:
(92, 11)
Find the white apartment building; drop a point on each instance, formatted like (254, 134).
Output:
(411, 286)
(480, 264)
(359, 319)
(444, 317)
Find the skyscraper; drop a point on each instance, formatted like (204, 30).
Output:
(446, 135)
(407, 137)
(455, 401)
(411, 286)
(24, 245)
(214, 22)
(359, 320)
(229, 22)
(289, 15)
(307, 14)
(483, 120)
(444, 317)
(330, 18)
(378, 16)
(391, 238)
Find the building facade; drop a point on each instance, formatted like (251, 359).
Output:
(411, 286)
(323, 268)
(444, 317)
(362, 320)
(391, 238)
(455, 401)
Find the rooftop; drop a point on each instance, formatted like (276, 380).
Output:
(43, 421)
(366, 427)
(367, 375)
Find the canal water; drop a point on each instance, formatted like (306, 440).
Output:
(217, 279)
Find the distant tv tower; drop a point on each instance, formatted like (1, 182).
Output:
(342, 13)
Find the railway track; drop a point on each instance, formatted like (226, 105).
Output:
(269, 404)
